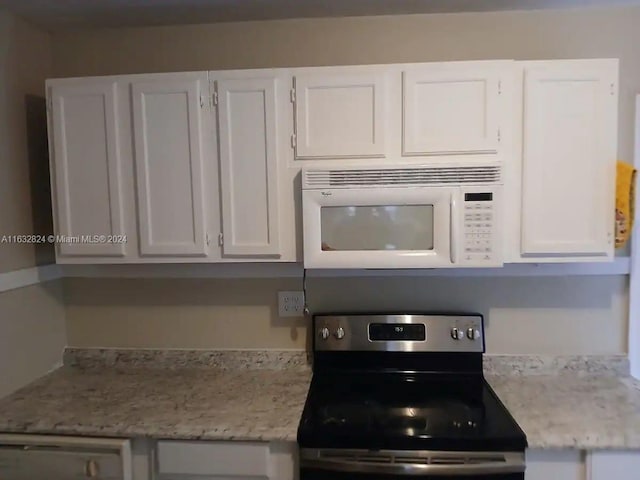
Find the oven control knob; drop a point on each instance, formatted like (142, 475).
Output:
(456, 333)
(324, 333)
(473, 333)
(339, 333)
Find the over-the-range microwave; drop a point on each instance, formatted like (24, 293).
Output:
(403, 216)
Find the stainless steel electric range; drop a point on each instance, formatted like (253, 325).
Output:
(396, 396)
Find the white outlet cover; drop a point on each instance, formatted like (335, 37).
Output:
(291, 304)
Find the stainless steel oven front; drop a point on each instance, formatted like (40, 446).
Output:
(342, 464)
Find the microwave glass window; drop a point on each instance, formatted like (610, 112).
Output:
(384, 227)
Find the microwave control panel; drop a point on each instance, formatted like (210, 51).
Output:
(480, 227)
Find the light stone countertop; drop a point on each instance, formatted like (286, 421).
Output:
(230, 400)
(573, 411)
(179, 404)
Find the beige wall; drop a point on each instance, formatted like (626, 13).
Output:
(559, 315)
(32, 321)
(32, 334)
(180, 313)
(25, 62)
(555, 315)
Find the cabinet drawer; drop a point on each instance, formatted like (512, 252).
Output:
(55, 464)
(214, 458)
(63, 458)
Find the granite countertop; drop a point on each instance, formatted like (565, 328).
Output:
(258, 396)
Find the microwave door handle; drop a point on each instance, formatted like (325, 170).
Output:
(453, 229)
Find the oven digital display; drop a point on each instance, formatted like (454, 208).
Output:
(478, 197)
(384, 332)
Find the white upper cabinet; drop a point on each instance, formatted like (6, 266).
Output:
(168, 136)
(248, 132)
(86, 167)
(569, 145)
(205, 166)
(340, 113)
(454, 108)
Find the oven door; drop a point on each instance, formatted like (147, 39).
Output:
(408, 227)
(328, 464)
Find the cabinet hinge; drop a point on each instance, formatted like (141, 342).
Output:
(220, 239)
(294, 141)
(204, 101)
(207, 239)
(499, 87)
(292, 95)
(613, 89)
(214, 98)
(499, 135)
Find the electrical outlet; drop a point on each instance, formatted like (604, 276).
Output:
(291, 304)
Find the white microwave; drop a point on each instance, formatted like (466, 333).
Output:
(411, 216)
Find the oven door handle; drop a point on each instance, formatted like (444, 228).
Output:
(433, 463)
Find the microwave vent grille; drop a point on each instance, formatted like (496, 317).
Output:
(415, 176)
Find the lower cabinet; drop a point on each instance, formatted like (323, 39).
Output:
(178, 460)
(36, 457)
(555, 465)
(40, 457)
(583, 465)
(613, 465)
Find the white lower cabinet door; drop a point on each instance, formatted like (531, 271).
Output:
(37, 457)
(168, 138)
(614, 465)
(183, 460)
(555, 465)
(213, 460)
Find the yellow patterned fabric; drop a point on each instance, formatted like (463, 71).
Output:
(625, 194)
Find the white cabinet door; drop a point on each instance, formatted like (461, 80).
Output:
(168, 156)
(86, 167)
(555, 465)
(453, 108)
(247, 125)
(569, 157)
(340, 114)
(33, 457)
(610, 465)
(224, 460)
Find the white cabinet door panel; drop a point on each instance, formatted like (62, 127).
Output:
(214, 459)
(247, 123)
(452, 108)
(555, 465)
(340, 115)
(87, 167)
(569, 153)
(168, 153)
(614, 465)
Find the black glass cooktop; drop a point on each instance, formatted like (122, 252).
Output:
(412, 411)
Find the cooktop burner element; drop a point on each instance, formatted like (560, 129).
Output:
(403, 387)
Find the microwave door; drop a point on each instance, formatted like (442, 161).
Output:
(378, 228)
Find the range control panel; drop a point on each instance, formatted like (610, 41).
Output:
(480, 228)
(400, 333)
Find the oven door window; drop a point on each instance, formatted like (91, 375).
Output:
(314, 474)
(377, 227)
